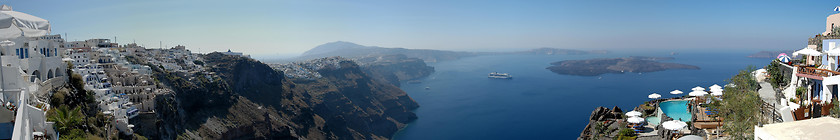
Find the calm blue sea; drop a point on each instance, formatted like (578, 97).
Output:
(462, 103)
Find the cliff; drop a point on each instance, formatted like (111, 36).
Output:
(594, 67)
(394, 69)
(603, 124)
(246, 99)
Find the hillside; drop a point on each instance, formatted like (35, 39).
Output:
(246, 99)
(352, 50)
(770, 54)
(594, 67)
(557, 51)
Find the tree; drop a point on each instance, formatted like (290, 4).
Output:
(740, 105)
(66, 119)
(777, 77)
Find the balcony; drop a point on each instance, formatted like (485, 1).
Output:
(815, 73)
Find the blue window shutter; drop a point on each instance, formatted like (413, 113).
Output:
(27, 53)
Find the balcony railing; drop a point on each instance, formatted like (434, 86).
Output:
(816, 71)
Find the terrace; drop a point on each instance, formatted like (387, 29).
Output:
(814, 73)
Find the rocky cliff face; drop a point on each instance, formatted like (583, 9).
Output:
(394, 69)
(246, 99)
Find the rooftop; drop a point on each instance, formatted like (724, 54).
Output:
(818, 128)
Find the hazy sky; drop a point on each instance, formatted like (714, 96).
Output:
(283, 27)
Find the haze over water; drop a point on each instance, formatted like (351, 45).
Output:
(462, 103)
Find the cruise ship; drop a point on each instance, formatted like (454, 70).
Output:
(496, 75)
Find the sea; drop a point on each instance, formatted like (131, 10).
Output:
(462, 103)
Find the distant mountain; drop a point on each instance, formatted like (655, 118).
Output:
(556, 51)
(770, 54)
(595, 67)
(353, 50)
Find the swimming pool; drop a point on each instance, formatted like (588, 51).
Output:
(677, 110)
(653, 120)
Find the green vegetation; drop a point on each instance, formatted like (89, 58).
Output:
(740, 105)
(626, 134)
(835, 111)
(800, 92)
(777, 77)
(75, 111)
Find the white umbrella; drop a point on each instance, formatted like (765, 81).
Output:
(807, 51)
(717, 93)
(715, 86)
(698, 88)
(833, 52)
(716, 90)
(635, 119)
(633, 113)
(676, 92)
(697, 93)
(674, 125)
(654, 96)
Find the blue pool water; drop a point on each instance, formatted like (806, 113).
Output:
(677, 110)
(653, 120)
(462, 103)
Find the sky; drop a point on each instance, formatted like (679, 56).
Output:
(268, 27)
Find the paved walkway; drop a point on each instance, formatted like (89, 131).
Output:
(767, 93)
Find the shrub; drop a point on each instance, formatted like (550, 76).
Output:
(626, 134)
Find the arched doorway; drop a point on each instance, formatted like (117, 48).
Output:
(50, 74)
(36, 75)
(59, 72)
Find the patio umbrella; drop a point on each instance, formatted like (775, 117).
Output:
(698, 88)
(674, 125)
(635, 119)
(676, 92)
(781, 54)
(654, 96)
(716, 90)
(714, 86)
(833, 52)
(807, 51)
(633, 113)
(784, 58)
(717, 93)
(697, 93)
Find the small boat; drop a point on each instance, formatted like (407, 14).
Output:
(427, 88)
(496, 75)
